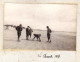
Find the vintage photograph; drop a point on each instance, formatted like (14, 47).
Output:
(40, 26)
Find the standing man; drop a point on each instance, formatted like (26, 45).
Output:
(48, 34)
(27, 32)
(30, 31)
(19, 29)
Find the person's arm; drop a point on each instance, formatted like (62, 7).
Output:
(50, 30)
(31, 30)
(26, 29)
(16, 28)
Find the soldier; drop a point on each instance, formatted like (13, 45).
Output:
(48, 34)
(19, 29)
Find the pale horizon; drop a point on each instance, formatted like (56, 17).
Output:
(58, 17)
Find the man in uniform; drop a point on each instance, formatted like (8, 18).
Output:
(19, 29)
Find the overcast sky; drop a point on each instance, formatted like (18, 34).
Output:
(60, 17)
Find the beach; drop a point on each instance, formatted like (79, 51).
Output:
(65, 41)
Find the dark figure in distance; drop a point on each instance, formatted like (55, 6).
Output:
(37, 36)
(27, 32)
(19, 29)
(48, 34)
(30, 31)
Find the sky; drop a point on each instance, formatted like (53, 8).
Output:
(59, 17)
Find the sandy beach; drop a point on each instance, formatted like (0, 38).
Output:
(60, 41)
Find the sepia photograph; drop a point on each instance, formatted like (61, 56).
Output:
(40, 26)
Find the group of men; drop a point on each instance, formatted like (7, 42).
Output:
(29, 33)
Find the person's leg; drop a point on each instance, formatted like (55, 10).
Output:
(33, 38)
(19, 34)
(27, 36)
(30, 35)
(48, 37)
(49, 40)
